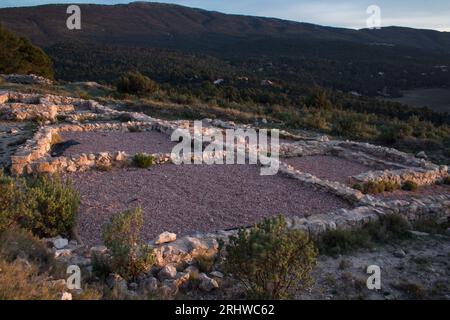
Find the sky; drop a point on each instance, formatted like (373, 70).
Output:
(423, 14)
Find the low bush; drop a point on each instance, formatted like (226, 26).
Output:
(14, 202)
(18, 243)
(387, 228)
(133, 82)
(271, 260)
(55, 206)
(205, 261)
(143, 161)
(430, 225)
(410, 186)
(129, 256)
(20, 281)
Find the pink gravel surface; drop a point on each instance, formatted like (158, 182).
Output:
(130, 142)
(432, 190)
(193, 198)
(327, 167)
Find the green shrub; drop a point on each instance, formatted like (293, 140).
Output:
(55, 206)
(270, 260)
(129, 256)
(42, 204)
(18, 55)
(389, 228)
(19, 243)
(335, 242)
(133, 82)
(13, 202)
(386, 229)
(143, 161)
(375, 187)
(410, 186)
(19, 281)
(101, 266)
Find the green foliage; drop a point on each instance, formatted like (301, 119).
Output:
(134, 82)
(410, 186)
(271, 260)
(19, 281)
(375, 187)
(101, 266)
(430, 225)
(18, 55)
(386, 229)
(143, 161)
(205, 261)
(55, 206)
(47, 206)
(129, 256)
(14, 202)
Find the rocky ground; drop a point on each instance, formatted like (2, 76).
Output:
(420, 192)
(410, 269)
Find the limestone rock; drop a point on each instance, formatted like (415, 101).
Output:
(99, 250)
(60, 243)
(66, 296)
(168, 289)
(422, 155)
(399, 253)
(206, 283)
(149, 284)
(165, 237)
(63, 253)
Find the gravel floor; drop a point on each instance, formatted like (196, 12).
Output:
(186, 199)
(327, 167)
(130, 142)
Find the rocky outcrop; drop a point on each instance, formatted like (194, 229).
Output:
(27, 79)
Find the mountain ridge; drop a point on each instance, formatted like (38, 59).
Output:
(163, 25)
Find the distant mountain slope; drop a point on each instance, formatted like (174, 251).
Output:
(176, 26)
(191, 48)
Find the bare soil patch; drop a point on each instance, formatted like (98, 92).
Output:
(130, 142)
(328, 167)
(193, 198)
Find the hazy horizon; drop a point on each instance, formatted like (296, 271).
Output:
(346, 14)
